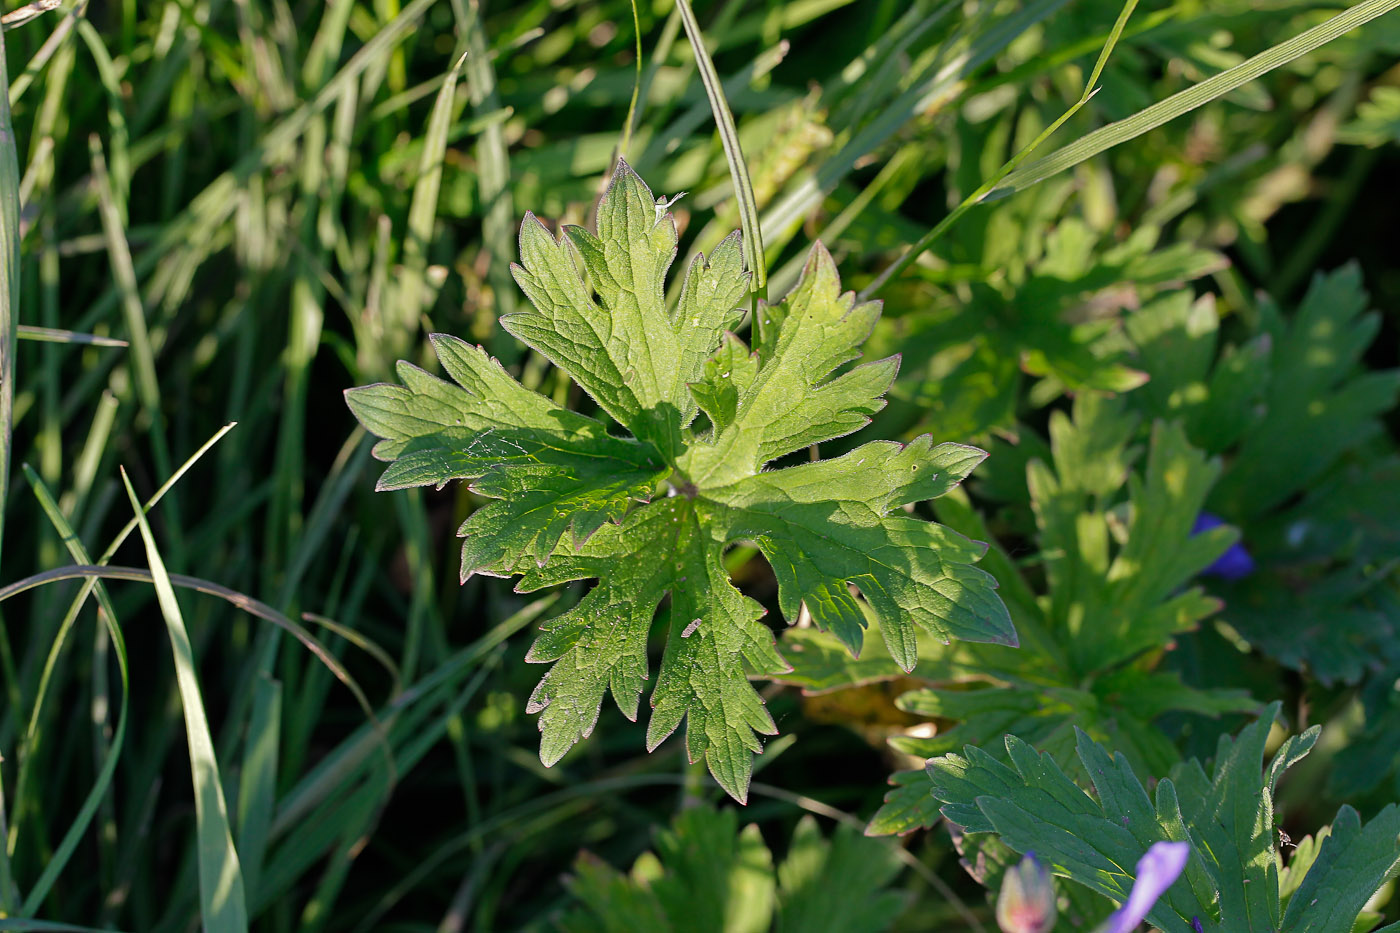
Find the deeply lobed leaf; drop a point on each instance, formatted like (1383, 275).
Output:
(709, 876)
(835, 532)
(1231, 882)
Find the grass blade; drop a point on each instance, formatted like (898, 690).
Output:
(9, 308)
(1195, 96)
(16, 18)
(223, 906)
(58, 335)
(57, 516)
(257, 789)
(239, 600)
(927, 240)
(417, 291)
(9, 317)
(783, 218)
(629, 125)
(493, 180)
(729, 137)
(78, 828)
(43, 926)
(124, 272)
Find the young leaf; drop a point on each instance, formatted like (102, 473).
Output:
(1231, 882)
(709, 876)
(1298, 416)
(836, 885)
(830, 529)
(1118, 546)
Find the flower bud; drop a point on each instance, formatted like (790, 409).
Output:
(1026, 903)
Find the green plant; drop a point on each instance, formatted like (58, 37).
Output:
(566, 486)
(1236, 879)
(708, 876)
(229, 211)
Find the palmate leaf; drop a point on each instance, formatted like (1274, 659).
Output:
(1119, 553)
(1299, 418)
(709, 876)
(650, 515)
(1232, 880)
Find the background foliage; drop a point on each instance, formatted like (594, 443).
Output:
(271, 201)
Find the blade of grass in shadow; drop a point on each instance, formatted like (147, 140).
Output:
(119, 252)
(208, 587)
(43, 926)
(142, 350)
(1195, 96)
(76, 831)
(729, 137)
(257, 788)
(317, 784)
(223, 906)
(75, 499)
(9, 303)
(9, 317)
(108, 77)
(319, 522)
(349, 818)
(972, 200)
(364, 644)
(58, 335)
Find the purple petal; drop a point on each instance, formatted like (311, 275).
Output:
(1235, 563)
(1156, 871)
(1205, 522)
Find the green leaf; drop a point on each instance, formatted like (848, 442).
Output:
(834, 524)
(714, 878)
(554, 470)
(1117, 707)
(1377, 119)
(1232, 881)
(706, 875)
(908, 806)
(1297, 414)
(223, 907)
(837, 886)
(1351, 864)
(600, 644)
(709, 876)
(792, 402)
(1320, 402)
(1115, 574)
(836, 532)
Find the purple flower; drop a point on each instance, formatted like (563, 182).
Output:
(1235, 563)
(1156, 871)
(1026, 902)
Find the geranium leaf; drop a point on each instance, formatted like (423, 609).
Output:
(1231, 882)
(650, 516)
